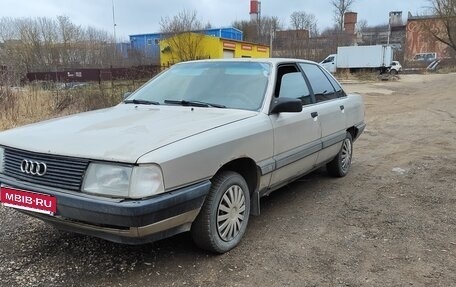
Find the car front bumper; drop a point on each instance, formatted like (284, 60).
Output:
(122, 221)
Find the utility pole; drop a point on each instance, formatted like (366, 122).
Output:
(114, 24)
(270, 41)
(114, 55)
(389, 29)
(342, 16)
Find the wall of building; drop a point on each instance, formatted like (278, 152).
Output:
(207, 47)
(186, 47)
(226, 33)
(244, 49)
(148, 45)
(419, 39)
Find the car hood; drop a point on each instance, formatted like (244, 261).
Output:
(122, 133)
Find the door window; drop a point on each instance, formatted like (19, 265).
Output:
(321, 86)
(291, 84)
(339, 91)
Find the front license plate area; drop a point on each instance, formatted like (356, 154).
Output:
(27, 200)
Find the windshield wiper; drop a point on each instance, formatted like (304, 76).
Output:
(141, 102)
(194, 104)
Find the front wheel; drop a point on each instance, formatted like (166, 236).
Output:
(340, 165)
(224, 215)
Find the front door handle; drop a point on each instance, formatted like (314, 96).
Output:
(342, 107)
(314, 115)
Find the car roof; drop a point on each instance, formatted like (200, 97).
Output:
(273, 61)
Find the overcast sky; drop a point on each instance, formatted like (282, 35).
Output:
(143, 16)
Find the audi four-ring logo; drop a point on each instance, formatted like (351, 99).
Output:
(33, 167)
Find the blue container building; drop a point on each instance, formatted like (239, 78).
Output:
(149, 44)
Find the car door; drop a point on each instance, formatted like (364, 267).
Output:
(330, 106)
(296, 135)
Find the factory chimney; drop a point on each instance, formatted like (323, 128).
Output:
(255, 10)
(350, 20)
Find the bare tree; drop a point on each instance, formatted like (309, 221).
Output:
(248, 28)
(301, 20)
(259, 31)
(184, 21)
(445, 10)
(361, 26)
(340, 7)
(268, 26)
(183, 34)
(46, 44)
(295, 43)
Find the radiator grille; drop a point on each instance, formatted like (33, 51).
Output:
(62, 172)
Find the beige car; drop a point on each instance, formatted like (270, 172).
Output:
(194, 149)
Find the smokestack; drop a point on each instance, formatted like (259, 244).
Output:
(395, 18)
(255, 10)
(350, 19)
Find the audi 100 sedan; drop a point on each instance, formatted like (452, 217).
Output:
(194, 149)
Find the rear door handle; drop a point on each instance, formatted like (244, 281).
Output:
(314, 115)
(342, 107)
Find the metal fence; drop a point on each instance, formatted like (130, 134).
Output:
(96, 75)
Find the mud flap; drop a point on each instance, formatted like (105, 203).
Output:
(255, 203)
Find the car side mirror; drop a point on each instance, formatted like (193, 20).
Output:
(286, 105)
(126, 95)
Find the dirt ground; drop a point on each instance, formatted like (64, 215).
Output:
(390, 222)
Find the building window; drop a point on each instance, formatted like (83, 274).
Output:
(157, 41)
(149, 41)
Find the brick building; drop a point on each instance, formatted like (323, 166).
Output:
(419, 39)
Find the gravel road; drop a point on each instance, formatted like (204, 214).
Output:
(390, 222)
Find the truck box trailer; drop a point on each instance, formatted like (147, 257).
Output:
(378, 57)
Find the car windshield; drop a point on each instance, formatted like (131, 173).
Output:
(234, 85)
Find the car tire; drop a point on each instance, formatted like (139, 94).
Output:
(340, 165)
(224, 215)
(393, 72)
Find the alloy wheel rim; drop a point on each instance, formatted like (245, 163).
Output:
(230, 213)
(346, 155)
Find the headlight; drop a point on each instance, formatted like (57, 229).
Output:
(123, 181)
(2, 160)
(146, 180)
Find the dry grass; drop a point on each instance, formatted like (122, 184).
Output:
(37, 102)
(447, 70)
(364, 76)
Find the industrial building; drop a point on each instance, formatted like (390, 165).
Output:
(419, 40)
(190, 46)
(205, 44)
(149, 44)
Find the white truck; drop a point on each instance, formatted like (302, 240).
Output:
(376, 57)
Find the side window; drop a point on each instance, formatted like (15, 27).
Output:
(328, 60)
(339, 91)
(321, 86)
(291, 84)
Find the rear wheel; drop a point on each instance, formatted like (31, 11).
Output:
(223, 218)
(340, 165)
